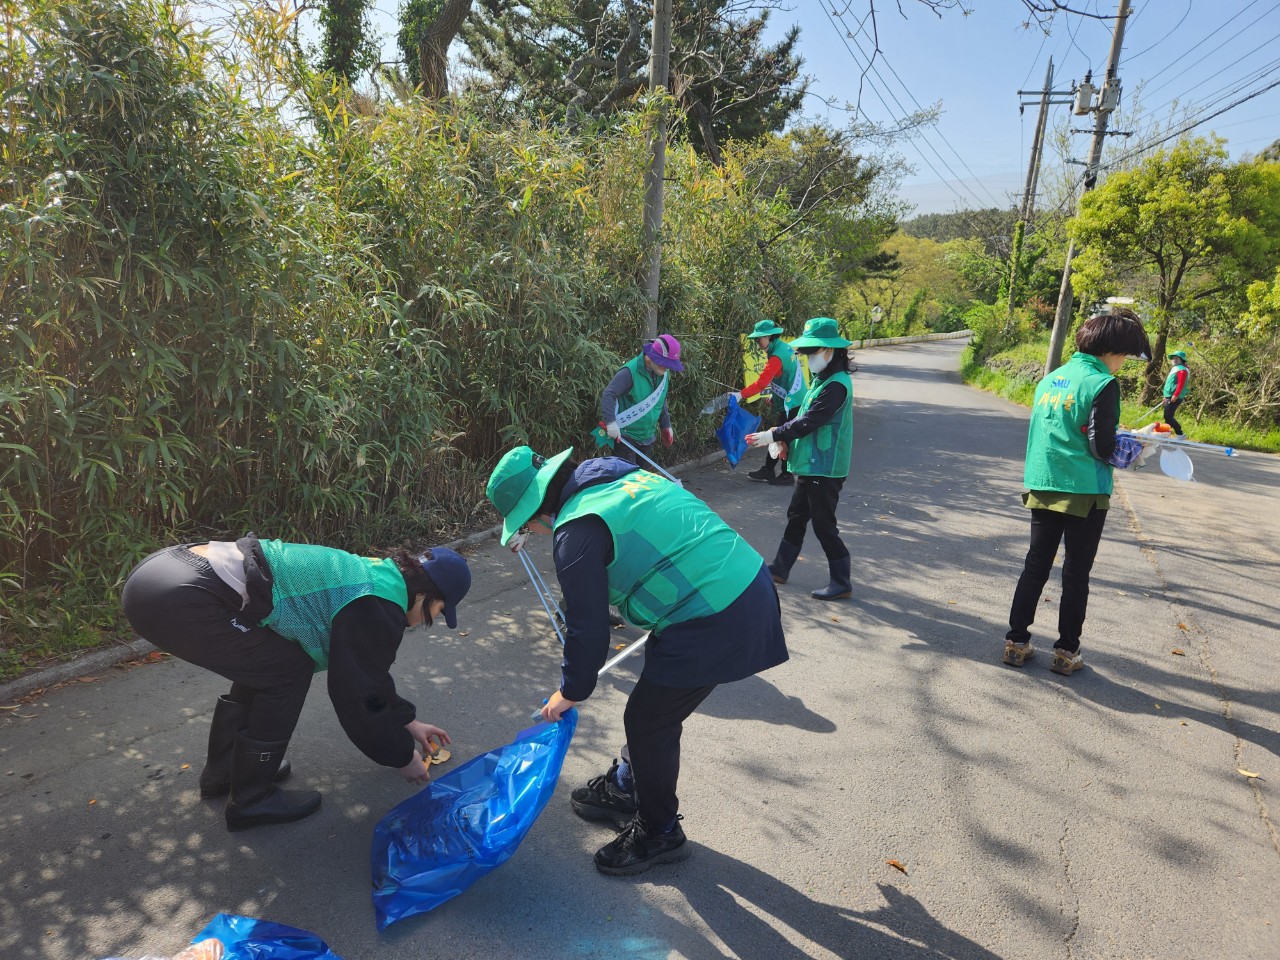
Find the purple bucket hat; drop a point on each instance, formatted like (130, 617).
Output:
(665, 352)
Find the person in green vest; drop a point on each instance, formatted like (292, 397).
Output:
(819, 441)
(1175, 387)
(634, 404)
(267, 615)
(1068, 479)
(626, 536)
(783, 377)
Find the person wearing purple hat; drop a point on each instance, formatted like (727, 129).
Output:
(266, 615)
(634, 404)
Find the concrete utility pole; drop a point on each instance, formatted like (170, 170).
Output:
(1108, 100)
(659, 68)
(1033, 176)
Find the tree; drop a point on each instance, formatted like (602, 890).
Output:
(1186, 223)
(345, 46)
(427, 27)
(585, 59)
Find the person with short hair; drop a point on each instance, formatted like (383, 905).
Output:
(819, 441)
(634, 404)
(266, 615)
(783, 377)
(633, 538)
(1071, 437)
(1175, 387)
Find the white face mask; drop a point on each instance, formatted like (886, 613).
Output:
(818, 362)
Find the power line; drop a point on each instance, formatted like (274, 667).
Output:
(1144, 147)
(874, 89)
(1248, 78)
(1178, 61)
(1135, 56)
(872, 68)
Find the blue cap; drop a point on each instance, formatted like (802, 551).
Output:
(448, 571)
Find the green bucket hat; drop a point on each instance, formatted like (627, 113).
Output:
(765, 328)
(1180, 354)
(519, 484)
(820, 332)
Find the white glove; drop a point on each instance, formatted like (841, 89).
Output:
(737, 395)
(518, 541)
(761, 439)
(614, 431)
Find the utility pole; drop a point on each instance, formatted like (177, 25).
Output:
(659, 68)
(1107, 100)
(1033, 175)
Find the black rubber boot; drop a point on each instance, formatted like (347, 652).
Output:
(765, 473)
(229, 719)
(255, 799)
(780, 568)
(841, 586)
(638, 848)
(603, 799)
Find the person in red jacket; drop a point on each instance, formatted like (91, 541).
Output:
(1175, 388)
(783, 377)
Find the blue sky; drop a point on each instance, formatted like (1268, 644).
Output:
(1207, 54)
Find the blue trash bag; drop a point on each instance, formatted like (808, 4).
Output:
(733, 432)
(248, 939)
(447, 836)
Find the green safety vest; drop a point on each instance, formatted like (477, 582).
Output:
(644, 385)
(826, 451)
(310, 584)
(788, 387)
(1171, 381)
(674, 559)
(1058, 456)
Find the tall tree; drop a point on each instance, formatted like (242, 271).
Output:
(585, 58)
(345, 46)
(427, 27)
(1187, 223)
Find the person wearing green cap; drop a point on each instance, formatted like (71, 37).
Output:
(630, 537)
(783, 377)
(268, 615)
(820, 443)
(1175, 386)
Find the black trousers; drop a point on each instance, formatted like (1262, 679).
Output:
(814, 501)
(1170, 414)
(175, 600)
(654, 721)
(1081, 536)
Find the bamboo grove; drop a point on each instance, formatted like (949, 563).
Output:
(234, 296)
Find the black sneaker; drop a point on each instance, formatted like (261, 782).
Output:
(783, 480)
(763, 475)
(615, 619)
(602, 799)
(637, 849)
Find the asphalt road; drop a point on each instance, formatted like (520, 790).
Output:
(1097, 816)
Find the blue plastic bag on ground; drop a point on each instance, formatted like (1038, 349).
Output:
(733, 432)
(468, 822)
(248, 939)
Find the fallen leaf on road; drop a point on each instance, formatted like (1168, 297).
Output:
(1248, 773)
(950, 601)
(1182, 626)
(155, 655)
(897, 865)
(463, 633)
(92, 802)
(618, 646)
(87, 679)
(1178, 653)
(1157, 706)
(835, 619)
(14, 707)
(1182, 722)
(186, 766)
